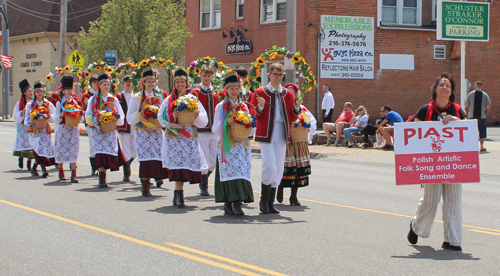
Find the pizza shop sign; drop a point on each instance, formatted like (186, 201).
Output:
(433, 153)
(239, 46)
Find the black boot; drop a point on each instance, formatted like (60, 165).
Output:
(33, 170)
(28, 164)
(179, 198)
(279, 195)
(264, 198)
(145, 188)
(93, 166)
(237, 209)
(20, 163)
(204, 185)
(293, 197)
(73, 176)
(126, 172)
(45, 174)
(159, 182)
(228, 209)
(61, 174)
(102, 180)
(272, 210)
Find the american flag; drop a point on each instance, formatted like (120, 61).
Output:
(6, 60)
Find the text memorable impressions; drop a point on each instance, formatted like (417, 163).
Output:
(347, 23)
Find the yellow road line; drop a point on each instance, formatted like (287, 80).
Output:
(485, 232)
(231, 261)
(152, 245)
(362, 209)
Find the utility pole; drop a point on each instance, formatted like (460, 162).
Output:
(291, 34)
(5, 51)
(62, 38)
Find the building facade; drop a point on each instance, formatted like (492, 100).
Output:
(405, 57)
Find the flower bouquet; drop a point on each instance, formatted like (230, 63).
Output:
(243, 123)
(40, 116)
(300, 127)
(187, 105)
(151, 115)
(108, 119)
(73, 114)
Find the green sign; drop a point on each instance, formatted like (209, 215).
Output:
(459, 20)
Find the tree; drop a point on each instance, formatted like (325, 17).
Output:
(137, 29)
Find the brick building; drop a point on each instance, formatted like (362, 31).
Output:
(405, 29)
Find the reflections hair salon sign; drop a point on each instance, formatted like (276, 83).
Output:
(431, 152)
(239, 46)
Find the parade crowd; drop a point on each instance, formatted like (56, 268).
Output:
(183, 136)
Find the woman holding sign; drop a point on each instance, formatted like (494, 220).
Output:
(441, 108)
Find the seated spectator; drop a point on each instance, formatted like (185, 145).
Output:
(372, 129)
(343, 120)
(357, 124)
(391, 117)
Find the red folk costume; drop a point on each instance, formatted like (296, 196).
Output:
(265, 118)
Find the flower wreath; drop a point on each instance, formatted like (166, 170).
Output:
(194, 71)
(101, 66)
(147, 63)
(59, 70)
(309, 80)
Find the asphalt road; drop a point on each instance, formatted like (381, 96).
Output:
(353, 221)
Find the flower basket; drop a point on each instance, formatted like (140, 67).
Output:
(186, 118)
(40, 124)
(299, 134)
(154, 122)
(109, 126)
(240, 132)
(72, 121)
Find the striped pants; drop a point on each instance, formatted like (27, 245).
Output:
(452, 212)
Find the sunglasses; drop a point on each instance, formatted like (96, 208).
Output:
(359, 109)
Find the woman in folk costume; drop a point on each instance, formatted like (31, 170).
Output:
(297, 161)
(127, 132)
(108, 153)
(22, 147)
(232, 176)
(148, 136)
(40, 139)
(181, 151)
(67, 138)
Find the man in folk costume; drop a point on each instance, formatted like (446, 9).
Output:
(246, 95)
(94, 87)
(107, 149)
(126, 132)
(67, 145)
(208, 140)
(275, 110)
(40, 139)
(181, 151)
(22, 147)
(148, 133)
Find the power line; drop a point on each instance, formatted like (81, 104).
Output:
(19, 10)
(83, 15)
(28, 10)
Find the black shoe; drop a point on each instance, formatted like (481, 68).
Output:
(179, 198)
(448, 246)
(388, 147)
(102, 180)
(294, 201)
(20, 163)
(228, 209)
(272, 195)
(412, 237)
(350, 146)
(159, 183)
(237, 209)
(145, 188)
(279, 194)
(365, 146)
(73, 176)
(264, 198)
(28, 164)
(126, 178)
(44, 170)
(33, 170)
(204, 185)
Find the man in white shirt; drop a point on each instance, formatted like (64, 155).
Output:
(328, 104)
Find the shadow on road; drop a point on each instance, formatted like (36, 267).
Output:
(174, 210)
(141, 198)
(290, 208)
(95, 189)
(17, 171)
(427, 252)
(58, 183)
(254, 219)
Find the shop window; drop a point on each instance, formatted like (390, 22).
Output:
(210, 14)
(439, 52)
(399, 12)
(240, 4)
(273, 11)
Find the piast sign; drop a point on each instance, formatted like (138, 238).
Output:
(239, 46)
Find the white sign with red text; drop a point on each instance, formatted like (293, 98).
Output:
(433, 153)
